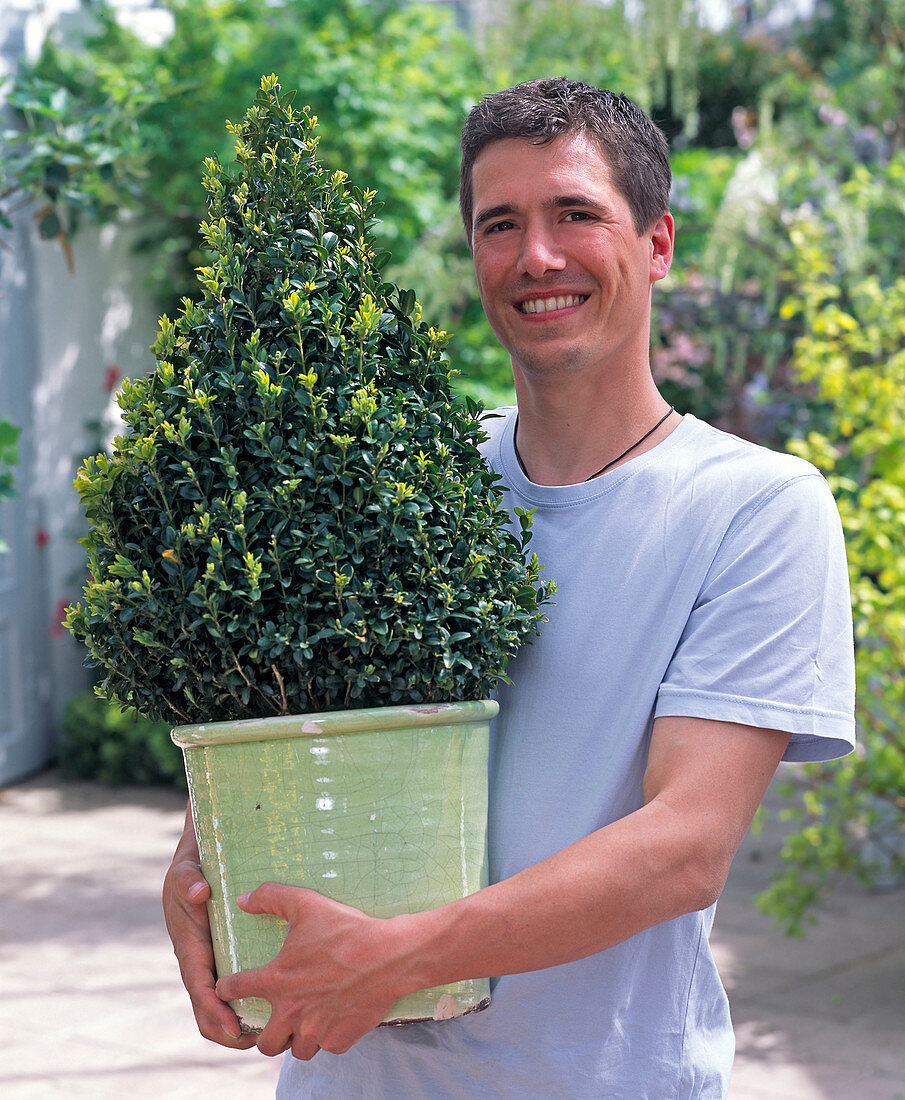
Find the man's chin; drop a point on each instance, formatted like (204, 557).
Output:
(551, 363)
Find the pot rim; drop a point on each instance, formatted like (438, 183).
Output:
(330, 723)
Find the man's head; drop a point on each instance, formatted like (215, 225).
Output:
(541, 110)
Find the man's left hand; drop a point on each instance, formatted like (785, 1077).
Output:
(335, 977)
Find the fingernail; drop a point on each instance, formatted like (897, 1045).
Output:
(236, 1033)
(195, 890)
(242, 899)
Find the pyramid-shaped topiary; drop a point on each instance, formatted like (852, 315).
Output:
(298, 519)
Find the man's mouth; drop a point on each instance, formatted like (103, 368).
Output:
(547, 305)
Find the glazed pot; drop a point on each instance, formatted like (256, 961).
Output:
(384, 809)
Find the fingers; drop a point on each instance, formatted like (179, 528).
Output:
(278, 1037)
(322, 996)
(245, 983)
(273, 899)
(289, 1031)
(188, 881)
(275, 1038)
(185, 895)
(215, 1019)
(302, 1048)
(217, 1022)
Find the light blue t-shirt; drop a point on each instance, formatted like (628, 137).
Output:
(706, 577)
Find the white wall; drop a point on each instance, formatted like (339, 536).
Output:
(93, 324)
(62, 336)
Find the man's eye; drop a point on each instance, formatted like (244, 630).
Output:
(578, 216)
(499, 227)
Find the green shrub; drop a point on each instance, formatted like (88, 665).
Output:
(851, 812)
(299, 519)
(104, 742)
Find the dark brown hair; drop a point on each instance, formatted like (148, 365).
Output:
(634, 148)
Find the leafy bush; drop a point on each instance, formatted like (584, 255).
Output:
(104, 742)
(300, 519)
(852, 811)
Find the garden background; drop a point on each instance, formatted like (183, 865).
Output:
(783, 320)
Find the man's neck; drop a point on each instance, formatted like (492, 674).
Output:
(566, 433)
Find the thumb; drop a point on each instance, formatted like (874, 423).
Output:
(190, 882)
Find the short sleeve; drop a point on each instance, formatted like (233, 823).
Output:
(769, 640)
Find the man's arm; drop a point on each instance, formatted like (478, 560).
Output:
(340, 971)
(185, 896)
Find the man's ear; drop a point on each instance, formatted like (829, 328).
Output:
(662, 235)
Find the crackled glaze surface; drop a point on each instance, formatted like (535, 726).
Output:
(390, 819)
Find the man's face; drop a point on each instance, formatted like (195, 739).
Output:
(563, 275)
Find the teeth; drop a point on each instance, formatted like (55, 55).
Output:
(546, 305)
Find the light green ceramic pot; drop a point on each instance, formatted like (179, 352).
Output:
(384, 809)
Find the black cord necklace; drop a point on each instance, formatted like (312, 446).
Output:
(613, 462)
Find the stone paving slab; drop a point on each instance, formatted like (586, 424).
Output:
(99, 1010)
(94, 1007)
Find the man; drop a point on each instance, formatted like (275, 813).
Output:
(701, 633)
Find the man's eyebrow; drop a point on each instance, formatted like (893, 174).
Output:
(555, 202)
(492, 212)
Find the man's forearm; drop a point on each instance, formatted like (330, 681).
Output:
(703, 784)
(340, 971)
(609, 886)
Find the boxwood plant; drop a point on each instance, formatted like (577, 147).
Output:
(298, 518)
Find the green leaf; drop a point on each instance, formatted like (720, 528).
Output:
(49, 226)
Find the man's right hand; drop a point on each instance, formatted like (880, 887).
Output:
(185, 897)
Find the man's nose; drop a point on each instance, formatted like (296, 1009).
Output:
(539, 253)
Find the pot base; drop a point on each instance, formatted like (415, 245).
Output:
(256, 1029)
(470, 1011)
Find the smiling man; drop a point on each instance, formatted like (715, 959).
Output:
(701, 633)
(565, 278)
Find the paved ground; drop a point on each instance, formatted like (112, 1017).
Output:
(93, 1006)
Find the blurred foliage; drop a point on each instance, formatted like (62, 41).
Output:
(525, 39)
(390, 80)
(721, 347)
(804, 345)
(665, 47)
(699, 180)
(9, 456)
(114, 745)
(734, 69)
(77, 154)
(852, 812)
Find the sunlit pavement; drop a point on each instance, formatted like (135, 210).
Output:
(93, 1005)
